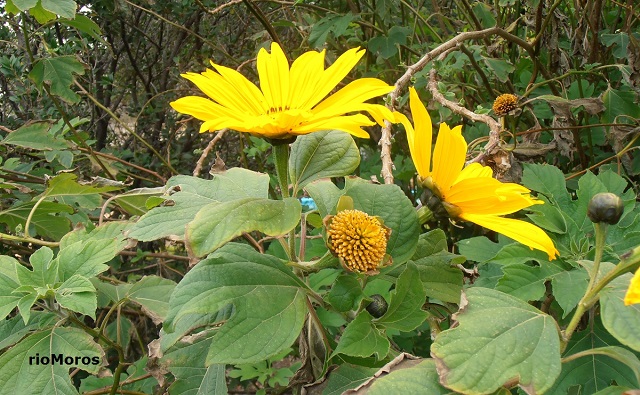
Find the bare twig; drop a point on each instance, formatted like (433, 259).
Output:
(494, 126)
(205, 153)
(219, 8)
(402, 82)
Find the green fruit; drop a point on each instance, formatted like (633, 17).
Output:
(378, 306)
(605, 207)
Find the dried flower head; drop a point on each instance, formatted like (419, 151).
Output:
(504, 104)
(358, 239)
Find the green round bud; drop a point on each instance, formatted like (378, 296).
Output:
(605, 207)
(378, 306)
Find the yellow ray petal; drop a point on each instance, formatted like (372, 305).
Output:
(633, 293)
(350, 97)
(489, 196)
(273, 71)
(379, 112)
(448, 156)
(420, 138)
(474, 170)
(523, 232)
(334, 74)
(305, 71)
(216, 87)
(243, 87)
(349, 123)
(203, 109)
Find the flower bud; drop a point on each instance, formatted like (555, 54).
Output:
(605, 207)
(378, 306)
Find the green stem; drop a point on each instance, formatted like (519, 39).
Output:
(601, 235)
(590, 297)
(424, 215)
(121, 359)
(26, 239)
(281, 158)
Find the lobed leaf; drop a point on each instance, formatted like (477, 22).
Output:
(269, 304)
(480, 355)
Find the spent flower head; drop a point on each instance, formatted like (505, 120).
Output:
(290, 101)
(358, 239)
(504, 104)
(469, 193)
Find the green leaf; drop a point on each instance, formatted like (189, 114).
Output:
(361, 338)
(24, 305)
(420, 378)
(387, 46)
(87, 258)
(430, 243)
(64, 8)
(40, 262)
(325, 194)
(405, 307)
(620, 354)
(134, 202)
(479, 249)
(65, 189)
(337, 25)
(238, 275)
(345, 293)
(569, 287)
(620, 41)
(79, 295)
(8, 283)
(546, 179)
(85, 25)
(390, 204)
(527, 282)
(36, 136)
(40, 14)
(619, 102)
(347, 377)
(548, 217)
(620, 320)
(614, 390)
(14, 328)
(24, 5)
(193, 194)
(519, 253)
(44, 221)
(439, 276)
(18, 376)
(484, 13)
(217, 223)
(187, 363)
(324, 154)
(596, 372)
(58, 73)
(153, 294)
(110, 231)
(501, 68)
(501, 345)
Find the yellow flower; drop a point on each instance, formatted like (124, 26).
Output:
(633, 293)
(289, 101)
(358, 239)
(471, 194)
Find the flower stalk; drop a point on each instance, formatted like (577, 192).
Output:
(281, 159)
